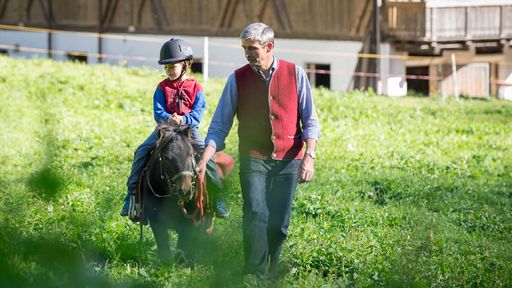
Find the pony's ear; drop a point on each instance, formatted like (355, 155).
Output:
(161, 132)
(186, 131)
(162, 127)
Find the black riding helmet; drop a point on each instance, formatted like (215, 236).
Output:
(175, 50)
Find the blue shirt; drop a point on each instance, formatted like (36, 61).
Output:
(222, 120)
(192, 119)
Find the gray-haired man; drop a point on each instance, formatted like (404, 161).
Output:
(274, 107)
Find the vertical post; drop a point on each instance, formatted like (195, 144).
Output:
(501, 22)
(494, 77)
(466, 23)
(100, 31)
(433, 36)
(454, 77)
(50, 17)
(376, 10)
(433, 84)
(205, 59)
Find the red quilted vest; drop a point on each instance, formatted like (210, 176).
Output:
(269, 121)
(189, 89)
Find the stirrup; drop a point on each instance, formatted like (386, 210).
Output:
(134, 212)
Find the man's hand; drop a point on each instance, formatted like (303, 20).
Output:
(201, 167)
(177, 119)
(307, 166)
(208, 153)
(306, 169)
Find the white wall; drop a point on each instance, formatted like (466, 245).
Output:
(341, 55)
(35, 40)
(74, 42)
(505, 73)
(225, 54)
(392, 70)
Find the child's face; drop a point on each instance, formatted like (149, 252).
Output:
(173, 70)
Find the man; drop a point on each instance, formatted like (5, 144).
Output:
(274, 106)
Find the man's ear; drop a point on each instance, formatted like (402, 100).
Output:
(269, 46)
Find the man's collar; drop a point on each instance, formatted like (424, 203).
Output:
(273, 67)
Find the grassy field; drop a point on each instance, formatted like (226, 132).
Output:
(408, 191)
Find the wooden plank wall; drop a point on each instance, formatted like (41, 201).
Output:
(413, 21)
(405, 20)
(473, 80)
(315, 19)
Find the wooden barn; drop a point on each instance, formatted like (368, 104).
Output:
(391, 45)
(473, 36)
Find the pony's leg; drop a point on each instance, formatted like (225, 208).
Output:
(186, 240)
(162, 241)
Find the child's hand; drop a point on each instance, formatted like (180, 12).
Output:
(177, 119)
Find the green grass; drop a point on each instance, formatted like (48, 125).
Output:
(409, 191)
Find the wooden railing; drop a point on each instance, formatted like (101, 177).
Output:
(415, 21)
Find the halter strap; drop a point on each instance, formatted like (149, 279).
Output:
(182, 173)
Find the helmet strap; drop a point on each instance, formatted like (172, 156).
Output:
(184, 69)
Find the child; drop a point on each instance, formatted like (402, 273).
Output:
(178, 99)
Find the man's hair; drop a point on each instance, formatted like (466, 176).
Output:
(258, 32)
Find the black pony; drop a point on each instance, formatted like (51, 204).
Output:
(167, 194)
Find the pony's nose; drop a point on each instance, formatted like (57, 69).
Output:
(186, 187)
(186, 183)
(187, 193)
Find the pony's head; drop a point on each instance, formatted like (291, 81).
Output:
(175, 153)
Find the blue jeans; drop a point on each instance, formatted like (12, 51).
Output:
(268, 187)
(142, 152)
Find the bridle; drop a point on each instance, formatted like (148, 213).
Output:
(198, 185)
(171, 181)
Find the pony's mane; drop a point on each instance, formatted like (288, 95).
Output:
(170, 133)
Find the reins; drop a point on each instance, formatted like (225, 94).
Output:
(199, 197)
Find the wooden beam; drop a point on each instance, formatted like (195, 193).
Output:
(362, 17)
(48, 15)
(228, 14)
(232, 15)
(100, 29)
(3, 6)
(110, 13)
(262, 10)
(139, 12)
(224, 14)
(103, 14)
(28, 8)
(282, 8)
(159, 11)
(45, 12)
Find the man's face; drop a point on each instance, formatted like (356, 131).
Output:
(257, 54)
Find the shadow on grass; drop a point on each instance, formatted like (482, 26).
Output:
(44, 261)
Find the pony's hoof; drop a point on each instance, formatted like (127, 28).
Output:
(179, 257)
(165, 260)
